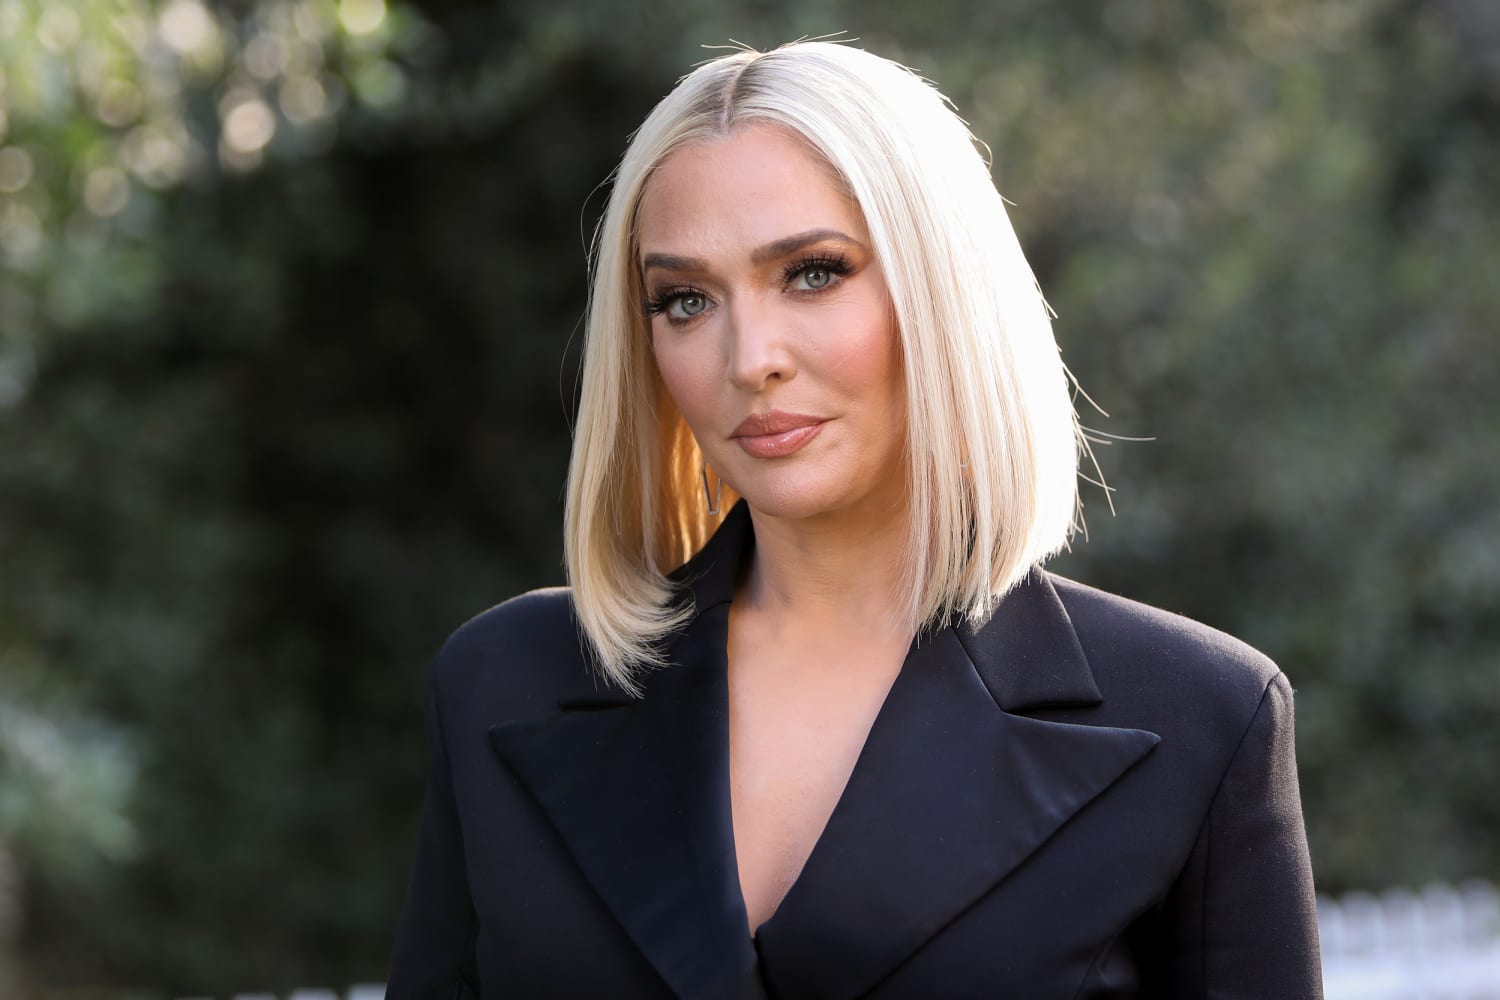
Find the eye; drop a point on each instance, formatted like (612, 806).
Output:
(688, 305)
(680, 305)
(816, 273)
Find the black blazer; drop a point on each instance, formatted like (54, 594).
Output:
(1085, 797)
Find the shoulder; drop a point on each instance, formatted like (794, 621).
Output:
(1151, 662)
(519, 658)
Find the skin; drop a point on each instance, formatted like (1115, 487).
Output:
(753, 315)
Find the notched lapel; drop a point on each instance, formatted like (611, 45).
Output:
(634, 792)
(949, 795)
(1027, 652)
(639, 793)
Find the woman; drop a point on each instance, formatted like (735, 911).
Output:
(859, 743)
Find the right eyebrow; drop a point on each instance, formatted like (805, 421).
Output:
(771, 251)
(672, 262)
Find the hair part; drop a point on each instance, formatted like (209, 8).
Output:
(992, 443)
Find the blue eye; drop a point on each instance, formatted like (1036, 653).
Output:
(689, 305)
(680, 304)
(814, 273)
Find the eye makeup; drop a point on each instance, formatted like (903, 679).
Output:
(683, 301)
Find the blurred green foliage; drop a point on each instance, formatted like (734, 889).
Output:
(288, 298)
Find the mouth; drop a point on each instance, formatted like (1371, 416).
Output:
(776, 434)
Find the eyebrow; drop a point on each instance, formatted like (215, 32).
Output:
(769, 251)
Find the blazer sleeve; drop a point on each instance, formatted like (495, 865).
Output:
(1243, 920)
(433, 957)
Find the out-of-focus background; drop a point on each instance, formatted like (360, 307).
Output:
(289, 313)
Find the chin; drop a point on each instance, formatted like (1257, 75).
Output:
(798, 501)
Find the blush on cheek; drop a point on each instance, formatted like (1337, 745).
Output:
(868, 353)
(690, 388)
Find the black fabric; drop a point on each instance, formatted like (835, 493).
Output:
(1085, 797)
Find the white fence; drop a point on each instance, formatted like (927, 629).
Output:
(1440, 943)
(1437, 944)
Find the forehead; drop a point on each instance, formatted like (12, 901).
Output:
(755, 185)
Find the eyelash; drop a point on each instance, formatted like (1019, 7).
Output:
(835, 264)
(660, 303)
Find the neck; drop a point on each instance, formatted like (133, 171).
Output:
(835, 571)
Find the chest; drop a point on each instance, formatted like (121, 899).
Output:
(794, 739)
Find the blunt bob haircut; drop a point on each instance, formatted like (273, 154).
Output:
(992, 440)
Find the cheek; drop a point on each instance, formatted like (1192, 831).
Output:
(687, 377)
(869, 360)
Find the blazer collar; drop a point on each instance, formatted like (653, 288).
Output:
(639, 792)
(711, 575)
(1027, 652)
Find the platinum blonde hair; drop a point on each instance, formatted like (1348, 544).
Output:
(992, 443)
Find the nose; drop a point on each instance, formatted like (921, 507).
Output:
(759, 347)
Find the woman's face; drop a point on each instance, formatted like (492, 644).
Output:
(772, 327)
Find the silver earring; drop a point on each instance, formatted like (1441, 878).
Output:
(713, 504)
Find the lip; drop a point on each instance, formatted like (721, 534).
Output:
(776, 434)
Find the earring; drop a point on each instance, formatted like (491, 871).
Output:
(713, 504)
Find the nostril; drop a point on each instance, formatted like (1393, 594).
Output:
(753, 367)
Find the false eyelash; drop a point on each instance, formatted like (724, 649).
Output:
(657, 304)
(833, 263)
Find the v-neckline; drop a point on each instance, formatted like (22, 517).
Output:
(725, 773)
(718, 642)
(727, 759)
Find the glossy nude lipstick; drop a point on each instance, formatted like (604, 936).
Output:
(776, 434)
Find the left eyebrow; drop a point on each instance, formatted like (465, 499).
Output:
(774, 250)
(791, 244)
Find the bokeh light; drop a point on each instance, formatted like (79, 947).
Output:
(16, 169)
(187, 26)
(362, 17)
(106, 191)
(124, 85)
(249, 123)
